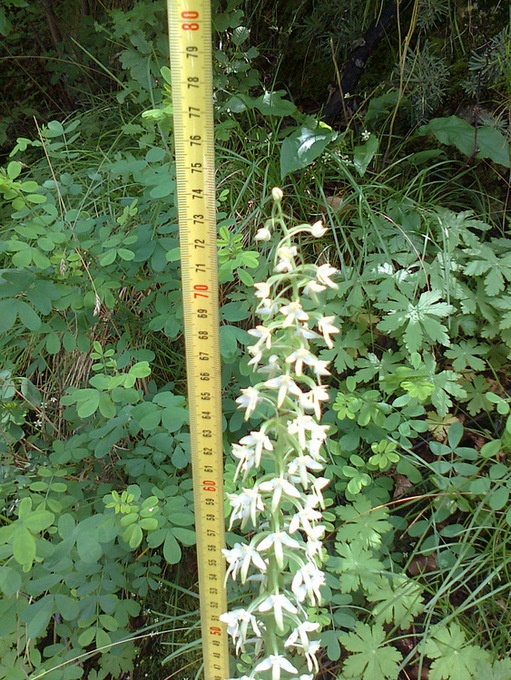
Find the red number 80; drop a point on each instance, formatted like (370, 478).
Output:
(190, 15)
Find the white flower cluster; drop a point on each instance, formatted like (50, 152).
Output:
(280, 500)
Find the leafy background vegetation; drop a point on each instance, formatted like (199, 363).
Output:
(412, 177)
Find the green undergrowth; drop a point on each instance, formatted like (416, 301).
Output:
(97, 574)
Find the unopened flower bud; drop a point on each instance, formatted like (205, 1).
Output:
(318, 229)
(263, 234)
(277, 194)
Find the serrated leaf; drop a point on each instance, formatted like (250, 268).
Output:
(454, 659)
(370, 656)
(399, 603)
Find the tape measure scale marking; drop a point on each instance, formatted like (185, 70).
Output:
(191, 69)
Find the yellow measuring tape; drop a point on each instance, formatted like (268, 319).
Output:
(192, 99)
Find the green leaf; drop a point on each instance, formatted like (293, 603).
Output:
(8, 314)
(108, 257)
(106, 405)
(399, 603)
(67, 607)
(24, 546)
(364, 154)
(140, 370)
(302, 147)
(499, 498)
(370, 656)
(10, 580)
(89, 548)
(487, 141)
(363, 523)
(185, 536)
(38, 616)
(357, 568)
(38, 520)
(28, 316)
(14, 170)
(87, 402)
(171, 549)
(126, 254)
(499, 670)
(52, 343)
(272, 104)
(454, 658)
(86, 637)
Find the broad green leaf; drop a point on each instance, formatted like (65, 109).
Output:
(126, 254)
(28, 316)
(399, 603)
(24, 546)
(302, 147)
(89, 548)
(498, 670)
(38, 520)
(364, 154)
(108, 257)
(185, 536)
(171, 549)
(273, 104)
(52, 343)
(106, 405)
(85, 638)
(87, 402)
(14, 170)
(140, 370)
(8, 314)
(38, 616)
(10, 580)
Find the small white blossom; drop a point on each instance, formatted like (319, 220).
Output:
(237, 626)
(276, 541)
(263, 289)
(365, 135)
(248, 400)
(240, 557)
(312, 289)
(279, 486)
(323, 274)
(306, 583)
(311, 400)
(310, 655)
(300, 465)
(304, 356)
(286, 255)
(304, 424)
(264, 338)
(301, 633)
(245, 506)
(278, 603)
(304, 333)
(272, 368)
(259, 441)
(293, 313)
(302, 520)
(327, 328)
(284, 384)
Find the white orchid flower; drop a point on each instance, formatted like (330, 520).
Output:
(278, 603)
